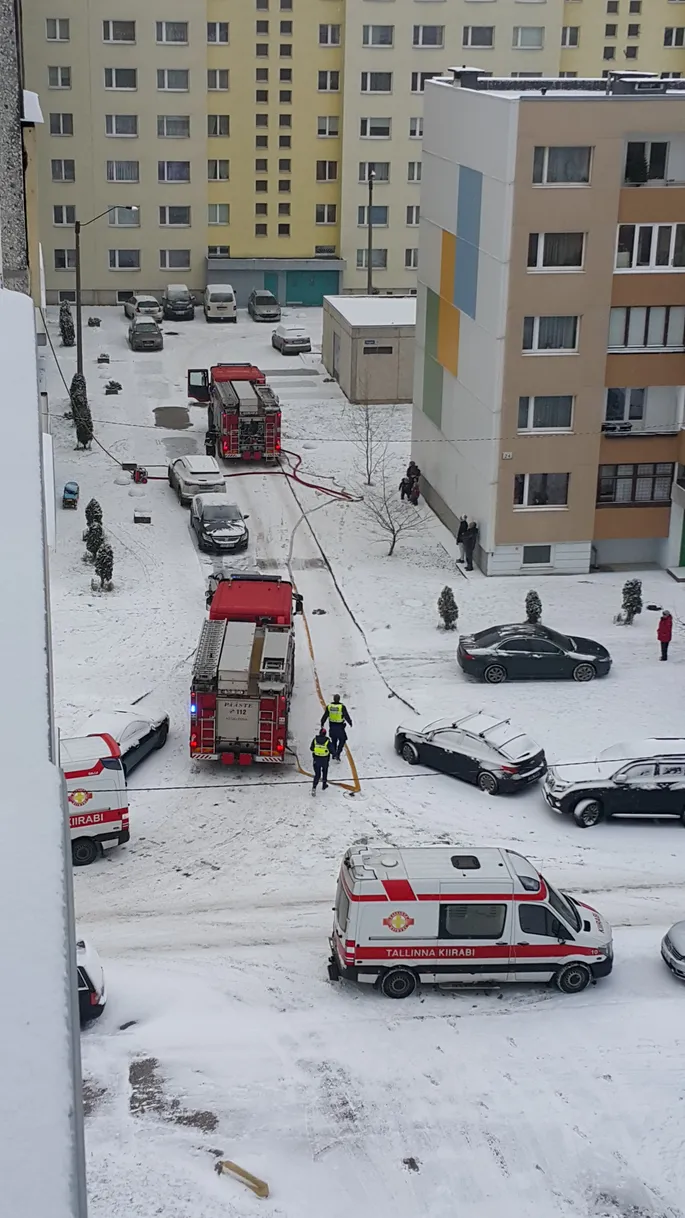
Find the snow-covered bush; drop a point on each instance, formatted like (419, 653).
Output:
(66, 325)
(448, 608)
(81, 411)
(94, 538)
(533, 607)
(632, 600)
(104, 565)
(93, 511)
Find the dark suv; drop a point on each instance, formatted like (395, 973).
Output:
(178, 302)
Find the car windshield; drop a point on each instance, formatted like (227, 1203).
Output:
(264, 298)
(564, 906)
(227, 511)
(487, 638)
(221, 298)
(147, 325)
(180, 296)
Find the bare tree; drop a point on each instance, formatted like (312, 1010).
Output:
(369, 428)
(388, 515)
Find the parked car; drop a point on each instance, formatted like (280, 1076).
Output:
(70, 495)
(220, 303)
(145, 335)
(92, 995)
(263, 306)
(190, 476)
(643, 778)
(673, 949)
(178, 302)
(521, 652)
(140, 305)
(219, 525)
(478, 748)
(291, 340)
(136, 733)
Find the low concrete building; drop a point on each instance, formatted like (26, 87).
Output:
(357, 328)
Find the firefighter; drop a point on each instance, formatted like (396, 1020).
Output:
(321, 754)
(338, 715)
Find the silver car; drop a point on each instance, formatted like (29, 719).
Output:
(140, 305)
(263, 306)
(290, 340)
(673, 949)
(190, 476)
(145, 335)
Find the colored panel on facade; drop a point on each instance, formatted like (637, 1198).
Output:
(469, 201)
(447, 261)
(465, 293)
(448, 337)
(432, 390)
(432, 315)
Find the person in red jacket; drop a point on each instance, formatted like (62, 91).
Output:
(664, 632)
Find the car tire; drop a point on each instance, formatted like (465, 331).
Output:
(487, 782)
(495, 674)
(398, 983)
(573, 978)
(170, 479)
(410, 753)
(588, 812)
(584, 672)
(84, 851)
(162, 737)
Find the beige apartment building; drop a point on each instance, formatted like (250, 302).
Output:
(549, 391)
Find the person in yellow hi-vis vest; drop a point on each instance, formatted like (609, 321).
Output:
(337, 714)
(321, 755)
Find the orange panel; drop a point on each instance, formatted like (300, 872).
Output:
(653, 368)
(611, 523)
(633, 448)
(448, 259)
(651, 205)
(448, 337)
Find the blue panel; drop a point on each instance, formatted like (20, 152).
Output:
(466, 277)
(468, 204)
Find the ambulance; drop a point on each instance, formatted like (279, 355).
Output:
(97, 795)
(459, 915)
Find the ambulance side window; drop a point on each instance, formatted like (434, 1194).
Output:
(538, 920)
(471, 921)
(342, 908)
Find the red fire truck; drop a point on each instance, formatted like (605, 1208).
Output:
(243, 413)
(244, 671)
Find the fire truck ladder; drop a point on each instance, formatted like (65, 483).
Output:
(207, 656)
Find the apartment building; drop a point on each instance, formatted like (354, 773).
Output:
(550, 369)
(623, 35)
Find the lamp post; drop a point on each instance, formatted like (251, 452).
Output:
(369, 227)
(77, 234)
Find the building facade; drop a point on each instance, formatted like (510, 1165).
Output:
(550, 368)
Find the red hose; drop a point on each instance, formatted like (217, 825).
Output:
(293, 473)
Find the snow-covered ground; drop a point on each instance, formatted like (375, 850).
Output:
(213, 922)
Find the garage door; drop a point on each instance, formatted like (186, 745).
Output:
(310, 287)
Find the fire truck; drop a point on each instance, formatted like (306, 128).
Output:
(244, 670)
(243, 413)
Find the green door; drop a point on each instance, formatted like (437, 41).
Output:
(271, 283)
(310, 287)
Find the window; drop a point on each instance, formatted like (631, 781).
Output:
(472, 921)
(61, 124)
(612, 6)
(609, 53)
(69, 295)
(659, 326)
(328, 125)
(647, 482)
(415, 128)
(59, 78)
(218, 124)
(646, 161)
(379, 216)
(428, 36)
(529, 37)
(374, 128)
(63, 171)
(570, 35)
(261, 96)
(123, 171)
(174, 260)
(217, 79)
(261, 209)
(540, 490)
(262, 29)
(329, 82)
(124, 260)
(285, 75)
(478, 36)
(380, 168)
(172, 31)
(260, 230)
(65, 260)
(610, 31)
(261, 141)
(118, 31)
(537, 920)
(217, 171)
(561, 166)
(218, 251)
(570, 75)
(550, 333)
(671, 75)
(285, 120)
(625, 405)
(174, 217)
(286, 29)
(411, 258)
(650, 247)
(287, 6)
(635, 6)
(262, 6)
(64, 214)
(124, 217)
(285, 96)
(261, 120)
(284, 165)
(217, 31)
(121, 78)
(413, 214)
(261, 165)
(631, 52)
(379, 259)
(262, 76)
(284, 230)
(284, 209)
(329, 35)
(376, 82)
(173, 126)
(536, 556)
(418, 80)
(284, 186)
(173, 171)
(285, 50)
(326, 213)
(262, 50)
(555, 251)
(378, 35)
(413, 171)
(121, 124)
(633, 31)
(545, 413)
(674, 36)
(173, 79)
(57, 29)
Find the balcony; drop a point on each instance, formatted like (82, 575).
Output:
(658, 161)
(655, 411)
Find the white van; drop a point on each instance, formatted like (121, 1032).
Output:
(97, 795)
(456, 915)
(219, 303)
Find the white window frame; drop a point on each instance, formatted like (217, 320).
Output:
(363, 212)
(567, 33)
(368, 39)
(530, 418)
(108, 32)
(213, 210)
(116, 253)
(411, 258)
(114, 177)
(165, 264)
(550, 268)
(540, 507)
(163, 134)
(62, 178)
(218, 176)
(61, 28)
(162, 29)
(413, 215)
(111, 124)
(545, 168)
(627, 391)
(329, 34)
(366, 80)
(651, 268)
(63, 73)
(535, 350)
(217, 74)
(517, 43)
(130, 218)
(69, 259)
(362, 259)
(366, 122)
(218, 251)
(66, 294)
(419, 80)
(537, 545)
(364, 172)
(466, 37)
(327, 119)
(327, 222)
(644, 346)
(165, 173)
(328, 74)
(163, 212)
(677, 33)
(61, 115)
(416, 128)
(414, 171)
(114, 87)
(331, 171)
(64, 208)
(163, 74)
(418, 37)
(217, 28)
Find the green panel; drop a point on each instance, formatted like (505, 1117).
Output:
(310, 287)
(271, 282)
(432, 316)
(432, 390)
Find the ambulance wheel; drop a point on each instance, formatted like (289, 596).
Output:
(573, 978)
(410, 753)
(587, 812)
(84, 851)
(398, 983)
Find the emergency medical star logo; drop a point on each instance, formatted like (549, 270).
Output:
(398, 921)
(79, 797)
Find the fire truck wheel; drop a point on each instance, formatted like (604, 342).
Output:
(84, 851)
(398, 983)
(573, 978)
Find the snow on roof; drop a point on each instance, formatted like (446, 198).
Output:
(375, 310)
(202, 465)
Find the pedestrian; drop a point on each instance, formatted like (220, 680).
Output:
(413, 472)
(405, 487)
(321, 754)
(337, 715)
(664, 632)
(414, 493)
(470, 539)
(463, 526)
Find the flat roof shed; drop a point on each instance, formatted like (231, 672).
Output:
(368, 346)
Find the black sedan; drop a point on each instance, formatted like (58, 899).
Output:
(479, 748)
(137, 734)
(524, 652)
(219, 525)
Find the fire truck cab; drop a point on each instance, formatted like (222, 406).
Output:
(243, 413)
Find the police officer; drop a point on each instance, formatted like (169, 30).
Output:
(321, 753)
(337, 714)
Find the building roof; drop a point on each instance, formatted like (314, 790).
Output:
(375, 310)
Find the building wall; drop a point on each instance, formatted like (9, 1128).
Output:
(14, 271)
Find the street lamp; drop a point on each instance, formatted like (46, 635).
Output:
(77, 233)
(369, 227)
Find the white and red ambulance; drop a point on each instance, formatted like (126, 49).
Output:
(97, 795)
(456, 915)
